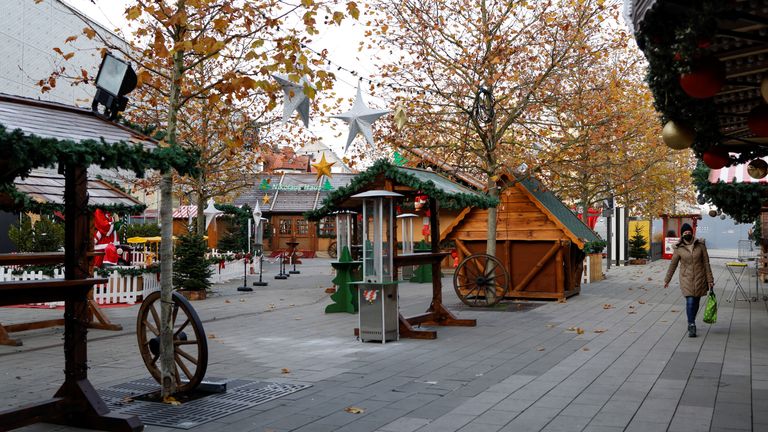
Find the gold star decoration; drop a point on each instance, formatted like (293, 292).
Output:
(323, 167)
(265, 199)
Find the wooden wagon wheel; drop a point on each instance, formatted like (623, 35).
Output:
(332, 252)
(189, 342)
(481, 280)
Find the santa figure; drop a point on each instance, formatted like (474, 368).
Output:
(104, 238)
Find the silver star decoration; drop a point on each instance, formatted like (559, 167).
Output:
(359, 119)
(295, 99)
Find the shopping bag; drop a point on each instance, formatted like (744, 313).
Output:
(710, 310)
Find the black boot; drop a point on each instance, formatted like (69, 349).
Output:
(691, 330)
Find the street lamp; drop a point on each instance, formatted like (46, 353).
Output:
(115, 79)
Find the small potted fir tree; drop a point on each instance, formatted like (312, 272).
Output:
(191, 271)
(637, 244)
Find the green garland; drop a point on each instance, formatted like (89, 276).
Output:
(382, 168)
(22, 152)
(740, 201)
(673, 39)
(127, 271)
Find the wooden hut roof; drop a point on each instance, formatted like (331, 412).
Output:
(292, 192)
(548, 204)
(574, 227)
(49, 189)
(448, 193)
(62, 122)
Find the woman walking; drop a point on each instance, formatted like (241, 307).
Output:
(695, 273)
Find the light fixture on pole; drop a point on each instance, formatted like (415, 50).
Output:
(115, 79)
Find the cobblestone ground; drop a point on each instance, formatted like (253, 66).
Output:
(616, 357)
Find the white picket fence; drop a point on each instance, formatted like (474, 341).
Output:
(123, 289)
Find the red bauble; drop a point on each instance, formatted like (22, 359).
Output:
(715, 159)
(757, 120)
(705, 79)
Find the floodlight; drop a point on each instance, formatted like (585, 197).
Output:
(115, 79)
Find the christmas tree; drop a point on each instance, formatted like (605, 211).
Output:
(190, 268)
(637, 244)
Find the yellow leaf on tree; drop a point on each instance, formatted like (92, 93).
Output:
(133, 12)
(89, 33)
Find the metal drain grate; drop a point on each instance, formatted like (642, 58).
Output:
(240, 395)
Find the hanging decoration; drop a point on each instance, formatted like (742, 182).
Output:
(295, 99)
(265, 199)
(401, 118)
(419, 201)
(211, 212)
(323, 168)
(483, 106)
(398, 159)
(705, 79)
(360, 118)
(757, 120)
(677, 135)
(757, 168)
(716, 158)
(265, 184)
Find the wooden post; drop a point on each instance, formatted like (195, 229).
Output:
(559, 279)
(76, 262)
(434, 224)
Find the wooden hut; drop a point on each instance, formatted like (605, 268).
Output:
(539, 240)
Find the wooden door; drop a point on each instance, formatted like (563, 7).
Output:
(294, 228)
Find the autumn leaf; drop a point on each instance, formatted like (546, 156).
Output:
(599, 330)
(540, 348)
(58, 50)
(353, 10)
(354, 410)
(68, 56)
(89, 33)
(285, 370)
(70, 39)
(607, 306)
(171, 401)
(133, 13)
(641, 301)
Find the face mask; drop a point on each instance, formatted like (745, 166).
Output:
(688, 237)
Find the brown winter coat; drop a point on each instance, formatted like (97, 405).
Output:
(695, 272)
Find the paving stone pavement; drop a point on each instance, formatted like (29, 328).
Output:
(633, 368)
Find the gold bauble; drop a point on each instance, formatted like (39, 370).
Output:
(757, 169)
(764, 89)
(677, 135)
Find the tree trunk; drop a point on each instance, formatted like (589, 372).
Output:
(167, 352)
(490, 246)
(200, 225)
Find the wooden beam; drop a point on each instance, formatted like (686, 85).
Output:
(460, 217)
(537, 267)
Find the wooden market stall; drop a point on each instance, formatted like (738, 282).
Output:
(441, 193)
(539, 240)
(44, 134)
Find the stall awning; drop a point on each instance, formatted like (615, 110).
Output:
(47, 188)
(734, 174)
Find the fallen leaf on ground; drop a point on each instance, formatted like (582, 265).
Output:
(630, 289)
(579, 330)
(663, 321)
(550, 325)
(354, 410)
(650, 279)
(674, 310)
(297, 318)
(631, 306)
(540, 349)
(641, 301)
(585, 349)
(171, 401)
(242, 300)
(562, 300)
(227, 301)
(211, 336)
(291, 304)
(285, 370)
(607, 306)
(600, 330)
